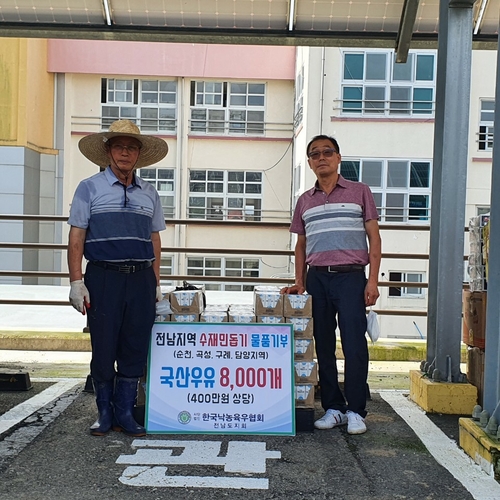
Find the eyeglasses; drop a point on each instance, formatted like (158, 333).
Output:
(119, 148)
(327, 153)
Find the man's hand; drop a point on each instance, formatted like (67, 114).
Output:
(293, 290)
(371, 294)
(159, 294)
(79, 296)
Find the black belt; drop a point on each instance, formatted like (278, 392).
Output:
(122, 268)
(355, 268)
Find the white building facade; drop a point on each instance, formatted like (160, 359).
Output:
(382, 115)
(227, 118)
(237, 120)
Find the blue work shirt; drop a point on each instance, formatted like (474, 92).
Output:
(119, 221)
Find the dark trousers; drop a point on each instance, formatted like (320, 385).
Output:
(121, 316)
(338, 299)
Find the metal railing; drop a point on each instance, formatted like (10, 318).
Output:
(382, 107)
(197, 250)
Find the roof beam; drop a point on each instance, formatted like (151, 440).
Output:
(107, 12)
(309, 38)
(291, 14)
(405, 32)
(480, 16)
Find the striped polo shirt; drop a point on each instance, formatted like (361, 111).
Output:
(334, 224)
(119, 222)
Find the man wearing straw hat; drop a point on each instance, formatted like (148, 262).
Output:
(115, 219)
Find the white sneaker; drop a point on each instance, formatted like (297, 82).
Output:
(355, 423)
(331, 419)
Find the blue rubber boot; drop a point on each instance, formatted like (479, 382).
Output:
(123, 402)
(103, 396)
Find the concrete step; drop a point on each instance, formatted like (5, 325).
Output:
(383, 350)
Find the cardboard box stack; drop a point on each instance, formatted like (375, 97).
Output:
(474, 301)
(478, 250)
(269, 306)
(273, 307)
(298, 311)
(187, 305)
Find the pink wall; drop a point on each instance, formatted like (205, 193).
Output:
(171, 59)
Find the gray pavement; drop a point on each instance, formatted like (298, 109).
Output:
(46, 451)
(51, 455)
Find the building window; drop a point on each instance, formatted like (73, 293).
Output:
(373, 84)
(166, 267)
(482, 210)
(222, 195)
(224, 266)
(299, 98)
(486, 121)
(227, 108)
(297, 173)
(406, 291)
(151, 104)
(401, 188)
(163, 180)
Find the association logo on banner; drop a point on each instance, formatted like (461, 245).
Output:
(184, 417)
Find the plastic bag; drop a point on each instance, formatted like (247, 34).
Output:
(372, 327)
(163, 307)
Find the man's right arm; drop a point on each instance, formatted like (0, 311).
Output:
(300, 267)
(78, 295)
(75, 252)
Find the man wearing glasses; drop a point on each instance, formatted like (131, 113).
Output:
(336, 223)
(115, 220)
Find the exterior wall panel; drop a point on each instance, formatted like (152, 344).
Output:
(171, 59)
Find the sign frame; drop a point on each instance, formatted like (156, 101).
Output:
(255, 357)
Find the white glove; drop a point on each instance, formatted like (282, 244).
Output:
(79, 296)
(159, 294)
(163, 307)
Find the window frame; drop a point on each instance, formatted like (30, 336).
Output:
(405, 292)
(353, 91)
(156, 182)
(134, 108)
(226, 117)
(299, 98)
(388, 214)
(486, 127)
(220, 203)
(167, 268)
(223, 269)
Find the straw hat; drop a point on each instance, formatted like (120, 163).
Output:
(93, 146)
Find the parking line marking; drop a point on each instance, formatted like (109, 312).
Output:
(446, 451)
(156, 477)
(147, 467)
(25, 409)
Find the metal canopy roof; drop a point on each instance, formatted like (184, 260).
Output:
(271, 22)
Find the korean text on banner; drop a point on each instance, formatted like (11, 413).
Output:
(221, 378)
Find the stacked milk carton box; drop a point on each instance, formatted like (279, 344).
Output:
(273, 307)
(474, 299)
(187, 305)
(297, 310)
(241, 313)
(268, 304)
(478, 236)
(215, 313)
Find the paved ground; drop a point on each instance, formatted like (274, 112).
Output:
(46, 452)
(51, 455)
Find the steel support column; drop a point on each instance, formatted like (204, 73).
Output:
(449, 181)
(492, 352)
